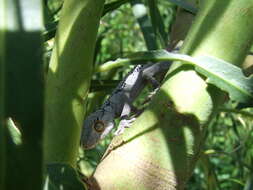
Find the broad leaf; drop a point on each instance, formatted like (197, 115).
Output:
(218, 72)
(227, 77)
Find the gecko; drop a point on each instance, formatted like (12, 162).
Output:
(119, 104)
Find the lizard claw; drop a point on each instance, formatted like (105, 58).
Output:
(150, 96)
(124, 123)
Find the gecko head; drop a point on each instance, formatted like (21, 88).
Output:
(96, 126)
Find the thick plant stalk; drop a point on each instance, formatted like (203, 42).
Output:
(161, 148)
(69, 78)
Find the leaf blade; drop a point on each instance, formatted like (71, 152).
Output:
(157, 23)
(239, 87)
(230, 77)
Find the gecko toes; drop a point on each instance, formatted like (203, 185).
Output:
(125, 123)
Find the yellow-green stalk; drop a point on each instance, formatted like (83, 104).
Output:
(68, 79)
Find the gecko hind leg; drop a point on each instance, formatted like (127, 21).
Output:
(152, 81)
(150, 96)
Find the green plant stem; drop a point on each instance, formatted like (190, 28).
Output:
(166, 56)
(241, 112)
(141, 15)
(160, 150)
(209, 171)
(157, 24)
(68, 79)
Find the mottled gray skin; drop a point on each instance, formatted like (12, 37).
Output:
(119, 104)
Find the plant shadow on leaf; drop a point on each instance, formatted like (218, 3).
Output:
(182, 133)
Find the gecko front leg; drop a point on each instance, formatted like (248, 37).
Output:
(125, 121)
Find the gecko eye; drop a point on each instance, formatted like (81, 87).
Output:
(99, 126)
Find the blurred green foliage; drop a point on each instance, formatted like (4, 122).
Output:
(229, 149)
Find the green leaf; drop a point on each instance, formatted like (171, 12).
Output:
(140, 13)
(52, 10)
(157, 22)
(218, 72)
(184, 5)
(114, 5)
(54, 6)
(62, 177)
(50, 30)
(14, 132)
(227, 77)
